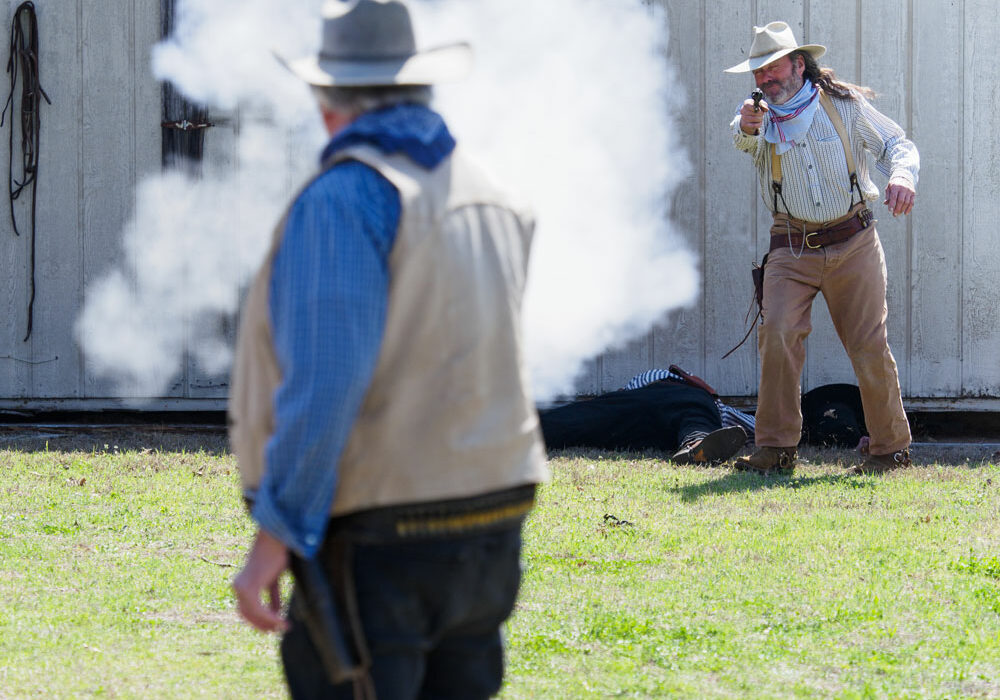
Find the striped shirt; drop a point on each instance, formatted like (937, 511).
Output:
(730, 416)
(816, 184)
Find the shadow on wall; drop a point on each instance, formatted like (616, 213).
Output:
(116, 439)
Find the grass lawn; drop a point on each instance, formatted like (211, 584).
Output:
(641, 579)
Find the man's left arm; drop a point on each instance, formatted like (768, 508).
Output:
(895, 156)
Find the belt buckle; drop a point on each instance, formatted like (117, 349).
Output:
(809, 244)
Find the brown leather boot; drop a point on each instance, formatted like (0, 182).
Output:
(880, 464)
(768, 461)
(718, 446)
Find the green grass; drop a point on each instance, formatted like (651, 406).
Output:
(731, 585)
(641, 579)
(114, 577)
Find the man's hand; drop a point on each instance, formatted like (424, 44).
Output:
(750, 119)
(899, 199)
(267, 559)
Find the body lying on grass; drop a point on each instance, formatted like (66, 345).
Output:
(676, 412)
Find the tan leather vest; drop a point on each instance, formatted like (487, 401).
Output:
(448, 413)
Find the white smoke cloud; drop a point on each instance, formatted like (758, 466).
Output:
(570, 107)
(221, 53)
(192, 241)
(567, 107)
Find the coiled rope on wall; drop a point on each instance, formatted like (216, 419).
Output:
(23, 64)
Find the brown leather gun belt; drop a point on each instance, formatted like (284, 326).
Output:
(799, 234)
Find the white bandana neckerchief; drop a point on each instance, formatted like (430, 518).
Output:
(789, 122)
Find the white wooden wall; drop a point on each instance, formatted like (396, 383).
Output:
(932, 62)
(99, 135)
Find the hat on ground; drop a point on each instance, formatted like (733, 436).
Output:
(832, 416)
(370, 43)
(771, 43)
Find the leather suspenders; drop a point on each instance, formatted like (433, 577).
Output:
(825, 233)
(838, 124)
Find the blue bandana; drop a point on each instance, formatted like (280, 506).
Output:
(789, 122)
(412, 129)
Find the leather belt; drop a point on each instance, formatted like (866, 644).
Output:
(800, 234)
(449, 518)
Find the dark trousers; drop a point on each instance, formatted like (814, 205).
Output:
(659, 415)
(430, 610)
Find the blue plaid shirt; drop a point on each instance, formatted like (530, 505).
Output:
(328, 297)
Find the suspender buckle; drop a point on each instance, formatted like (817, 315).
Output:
(775, 194)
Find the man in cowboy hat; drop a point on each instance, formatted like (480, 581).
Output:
(808, 135)
(380, 412)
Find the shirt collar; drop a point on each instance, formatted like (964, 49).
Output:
(414, 130)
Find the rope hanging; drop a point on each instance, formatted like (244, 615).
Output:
(23, 62)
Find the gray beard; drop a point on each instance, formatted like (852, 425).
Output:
(788, 91)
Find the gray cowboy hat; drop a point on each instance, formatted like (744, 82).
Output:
(371, 43)
(770, 43)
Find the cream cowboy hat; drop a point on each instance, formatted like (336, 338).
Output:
(771, 43)
(371, 43)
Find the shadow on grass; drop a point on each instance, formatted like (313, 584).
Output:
(734, 481)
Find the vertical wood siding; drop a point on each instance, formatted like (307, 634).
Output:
(99, 136)
(931, 61)
(979, 236)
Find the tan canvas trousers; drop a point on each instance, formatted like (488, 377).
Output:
(852, 277)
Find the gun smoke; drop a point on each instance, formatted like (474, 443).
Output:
(569, 107)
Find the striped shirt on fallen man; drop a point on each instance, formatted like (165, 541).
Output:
(730, 416)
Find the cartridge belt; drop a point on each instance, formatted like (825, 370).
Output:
(799, 234)
(454, 517)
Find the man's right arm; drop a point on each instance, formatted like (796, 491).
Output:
(746, 127)
(329, 294)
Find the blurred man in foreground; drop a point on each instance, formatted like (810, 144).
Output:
(380, 411)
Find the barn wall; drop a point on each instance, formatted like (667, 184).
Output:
(931, 62)
(98, 137)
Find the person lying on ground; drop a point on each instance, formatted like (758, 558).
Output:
(669, 410)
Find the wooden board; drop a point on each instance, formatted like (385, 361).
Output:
(15, 354)
(680, 337)
(120, 140)
(59, 280)
(730, 203)
(108, 143)
(884, 66)
(981, 206)
(937, 221)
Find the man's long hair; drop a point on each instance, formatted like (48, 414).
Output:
(825, 79)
